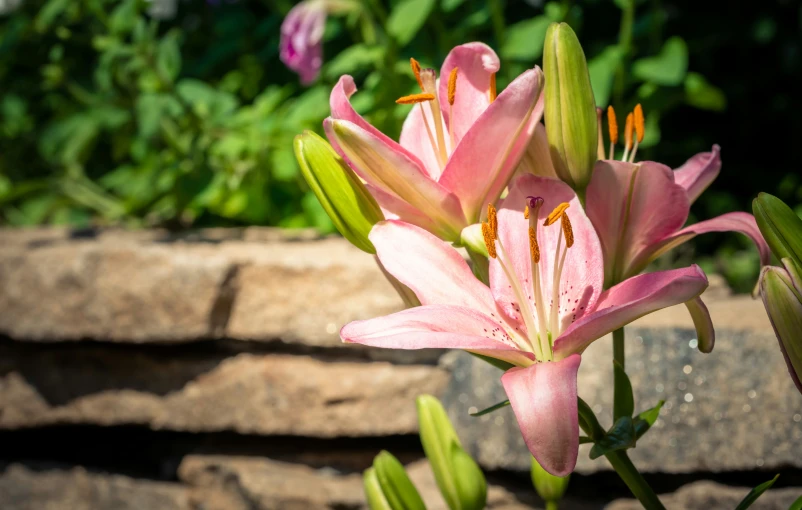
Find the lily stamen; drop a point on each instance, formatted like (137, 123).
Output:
(566, 231)
(429, 80)
(415, 98)
(612, 127)
(416, 71)
(640, 130)
(452, 95)
(493, 93)
(600, 144)
(533, 207)
(628, 132)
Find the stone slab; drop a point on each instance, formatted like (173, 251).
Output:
(707, 495)
(268, 394)
(734, 409)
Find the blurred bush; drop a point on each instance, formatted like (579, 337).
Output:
(179, 113)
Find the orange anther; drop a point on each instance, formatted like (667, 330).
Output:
(612, 125)
(415, 98)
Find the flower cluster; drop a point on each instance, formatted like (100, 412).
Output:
(559, 232)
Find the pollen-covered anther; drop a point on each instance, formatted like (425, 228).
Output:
(612, 125)
(493, 93)
(526, 212)
(452, 86)
(556, 214)
(416, 71)
(640, 124)
(629, 131)
(492, 220)
(568, 231)
(490, 243)
(534, 248)
(415, 98)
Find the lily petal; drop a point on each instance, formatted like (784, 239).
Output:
(633, 208)
(536, 159)
(436, 327)
(630, 300)
(731, 222)
(476, 63)
(435, 271)
(484, 160)
(698, 172)
(391, 170)
(705, 334)
(582, 276)
(415, 138)
(544, 400)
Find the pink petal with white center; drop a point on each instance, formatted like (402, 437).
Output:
(633, 207)
(698, 172)
(391, 170)
(741, 222)
(436, 327)
(484, 160)
(415, 138)
(705, 334)
(582, 275)
(476, 63)
(544, 400)
(434, 270)
(630, 300)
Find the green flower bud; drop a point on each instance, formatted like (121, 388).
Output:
(345, 199)
(570, 109)
(549, 487)
(459, 478)
(781, 290)
(387, 486)
(780, 226)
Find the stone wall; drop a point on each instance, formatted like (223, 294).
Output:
(151, 370)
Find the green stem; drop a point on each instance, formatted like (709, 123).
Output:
(625, 44)
(552, 505)
(618, 346)
(634, 480)
(619, 460)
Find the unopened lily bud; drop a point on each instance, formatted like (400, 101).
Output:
(570, 108)
(459, 478)
(780, 226)
(345, 199)
(387, 486)
(781, 290)
(549, 487)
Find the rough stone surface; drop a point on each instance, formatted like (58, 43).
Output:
(249, 284)
(713, 496)
(150, 287)
(23, 489)
(733, 409)
(248, 393)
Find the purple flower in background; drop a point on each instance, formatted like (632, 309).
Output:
(301, 46)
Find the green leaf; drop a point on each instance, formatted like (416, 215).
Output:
(492, 408)
(668, 67)
(585, 440)
(623, 400)
(755, 493)
(703, 95)
(646, 419)
(524, 40)
(359, 57)
(796, 505)
(501, 365)
(602, 71)
(168, 56)
(620, 436)
(450, 5)
(407, 18)
(48, 14)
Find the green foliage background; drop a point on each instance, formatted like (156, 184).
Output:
(111, 117)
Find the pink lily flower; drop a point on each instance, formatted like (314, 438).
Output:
(301, 45)
(639, 210)
(524, 317)
(459, 145)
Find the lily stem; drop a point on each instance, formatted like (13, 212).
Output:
(634, 480)
(618, 347)
(552, 505)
